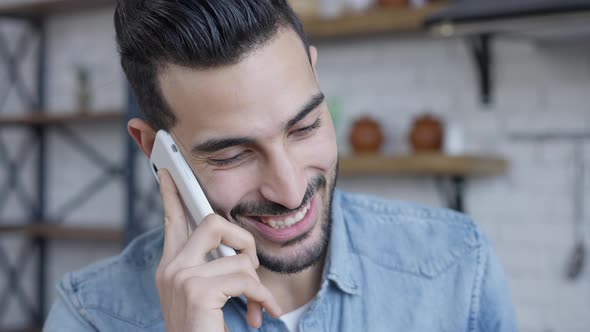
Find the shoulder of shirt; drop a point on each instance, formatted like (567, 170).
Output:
(121, 287)
(408, 237)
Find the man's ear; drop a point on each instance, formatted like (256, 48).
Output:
(313, 53)
(143, 134)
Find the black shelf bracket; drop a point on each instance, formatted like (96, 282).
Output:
(452, 191)
(480, 48)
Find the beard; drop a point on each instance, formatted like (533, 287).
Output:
(304, 255)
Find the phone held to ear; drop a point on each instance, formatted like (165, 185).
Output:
(166, 154)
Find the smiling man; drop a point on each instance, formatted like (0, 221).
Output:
(235, 83)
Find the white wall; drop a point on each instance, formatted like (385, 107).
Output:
(527, 213)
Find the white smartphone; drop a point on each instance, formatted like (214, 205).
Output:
(167, 155)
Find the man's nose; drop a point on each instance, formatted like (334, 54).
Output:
(283, 181)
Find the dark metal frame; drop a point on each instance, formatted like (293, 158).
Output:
(36, 205)
(111, 171)
(36, 143)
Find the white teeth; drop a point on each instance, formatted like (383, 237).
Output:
(289, 221)
(299, 215)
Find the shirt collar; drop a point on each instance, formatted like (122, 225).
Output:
(341, 262)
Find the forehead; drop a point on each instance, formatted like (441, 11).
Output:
(261, 91)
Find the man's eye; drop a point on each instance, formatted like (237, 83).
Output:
(308, 129)
(228, 161)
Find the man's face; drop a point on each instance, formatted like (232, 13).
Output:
(260, 139)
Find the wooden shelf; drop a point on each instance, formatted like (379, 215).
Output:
(423, 164)
(379, 20)
(63, 232)
(42, 118)
(45, 7)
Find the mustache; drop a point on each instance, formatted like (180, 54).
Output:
(271, 208)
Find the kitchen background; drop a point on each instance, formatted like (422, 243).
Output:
(538, 121)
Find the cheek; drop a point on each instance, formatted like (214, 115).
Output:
(320, 151)
(226, 189)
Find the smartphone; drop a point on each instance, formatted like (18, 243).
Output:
(167, 155)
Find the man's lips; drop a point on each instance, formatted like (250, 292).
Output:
(285, 230)
(286, 220)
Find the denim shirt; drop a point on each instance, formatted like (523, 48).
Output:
(391, 266)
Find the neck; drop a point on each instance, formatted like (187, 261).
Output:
(293, 290)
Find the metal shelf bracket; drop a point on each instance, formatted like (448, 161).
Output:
(480, 48)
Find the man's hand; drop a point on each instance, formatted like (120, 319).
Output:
(192, 290)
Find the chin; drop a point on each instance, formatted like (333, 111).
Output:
(297, 257)
(308, 249)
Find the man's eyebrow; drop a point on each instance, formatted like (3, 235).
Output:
(311, 105)
(217, 144)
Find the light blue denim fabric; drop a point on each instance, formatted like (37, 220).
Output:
(392, 266)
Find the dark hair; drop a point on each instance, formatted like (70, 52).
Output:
(152, 34)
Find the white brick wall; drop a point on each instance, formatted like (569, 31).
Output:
(527, 213)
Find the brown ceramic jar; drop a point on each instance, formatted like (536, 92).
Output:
(426, 134)
(393, 3)
(366, 136)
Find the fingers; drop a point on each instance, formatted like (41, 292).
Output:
(233, 285)
(254, 314)
(206, 294)
(176, 231)
(211, 232)
(237, 284)
(227, 265)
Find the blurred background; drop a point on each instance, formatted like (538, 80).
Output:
(479, 106)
